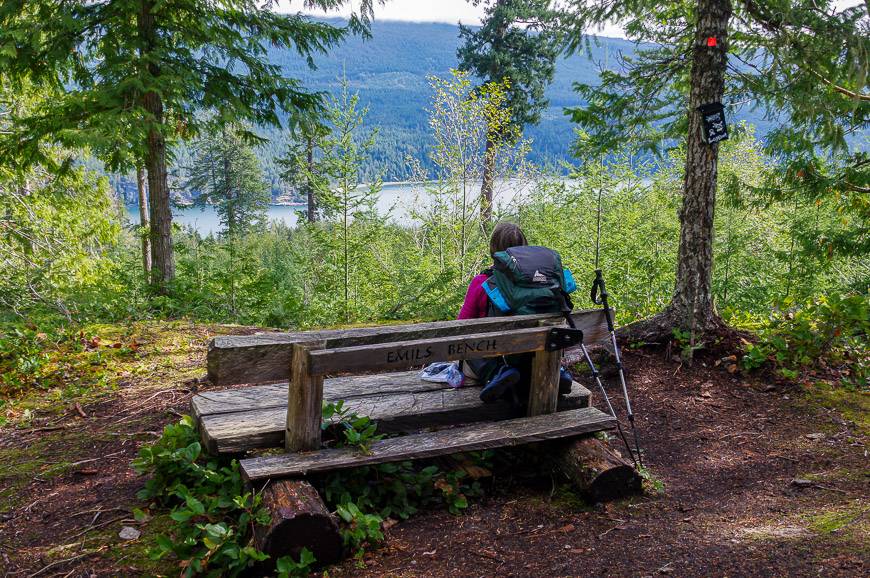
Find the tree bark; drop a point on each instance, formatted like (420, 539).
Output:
(596, 470)
(162, 258)
(487, 184)
(298, 519)
(692, 305)
(144, 222)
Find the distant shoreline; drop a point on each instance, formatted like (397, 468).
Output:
(304, 203)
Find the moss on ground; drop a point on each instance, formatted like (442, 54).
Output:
(852, 404)
(48, 374)
(565, 499)
(851, 521)
(37, 461)
(837, 475)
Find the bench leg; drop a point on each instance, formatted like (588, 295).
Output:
(544, 390)
(304, 401)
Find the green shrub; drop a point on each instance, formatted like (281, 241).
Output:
(213, 512)
(364, 497)
(826, 332)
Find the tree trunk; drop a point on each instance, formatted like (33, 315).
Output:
(487, 184)
(596, 470)
(692, 305)
(162, 259)
(144, 222)
(312, 207)
(298, 519)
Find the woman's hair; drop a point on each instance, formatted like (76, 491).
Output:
(505, 235)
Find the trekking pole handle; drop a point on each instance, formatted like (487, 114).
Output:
(602, 300)
(596, 284)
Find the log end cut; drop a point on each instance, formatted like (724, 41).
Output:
(596, 470)
(299, 519)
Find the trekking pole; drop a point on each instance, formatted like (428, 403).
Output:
(596, 285)
(597, 377)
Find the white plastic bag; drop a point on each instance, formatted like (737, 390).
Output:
(443, 372)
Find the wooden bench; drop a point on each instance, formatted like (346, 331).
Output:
(374, 370)
(234, 421)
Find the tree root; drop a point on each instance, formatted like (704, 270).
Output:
(659, 328)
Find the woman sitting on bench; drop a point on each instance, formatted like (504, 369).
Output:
(508, 377)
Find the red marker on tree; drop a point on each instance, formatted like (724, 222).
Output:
(711, 41)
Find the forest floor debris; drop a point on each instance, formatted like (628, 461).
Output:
(722, 448)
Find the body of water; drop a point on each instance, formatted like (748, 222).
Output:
(396, 199)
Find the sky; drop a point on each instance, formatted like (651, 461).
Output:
(449, 11)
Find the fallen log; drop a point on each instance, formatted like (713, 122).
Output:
(299, 519)
(596, 470)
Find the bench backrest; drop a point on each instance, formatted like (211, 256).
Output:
(266, 357)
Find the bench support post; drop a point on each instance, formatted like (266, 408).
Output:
(304, 400)
(544, 391)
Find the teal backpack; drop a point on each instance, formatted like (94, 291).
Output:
(528, 279)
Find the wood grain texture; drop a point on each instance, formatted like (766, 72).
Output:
(461, 439)
(334, 388)
(597, 470)
(298, 518)
(304, 400)
(421, 405)
(404, 354)
(236, 359)
(544, 390)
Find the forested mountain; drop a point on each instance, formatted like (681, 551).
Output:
(390, 69)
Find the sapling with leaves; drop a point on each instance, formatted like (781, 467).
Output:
(341, 263)
(346, 151)
(518, 41)
(467, 124)
(804, 62)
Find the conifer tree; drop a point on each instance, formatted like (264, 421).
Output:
(130, 75)
(346, 149)
(301, 162)
(227, 175)
(518, 41)
(804, 62)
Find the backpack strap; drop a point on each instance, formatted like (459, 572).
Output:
(496, 297)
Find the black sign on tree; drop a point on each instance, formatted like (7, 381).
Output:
(713, 121)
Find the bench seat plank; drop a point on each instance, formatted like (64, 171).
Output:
(334, 388)
(238, 420)
(475, 437)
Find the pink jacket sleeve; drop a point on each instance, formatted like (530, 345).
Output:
(475, 304)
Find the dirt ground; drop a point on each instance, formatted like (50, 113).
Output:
(754, 479)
